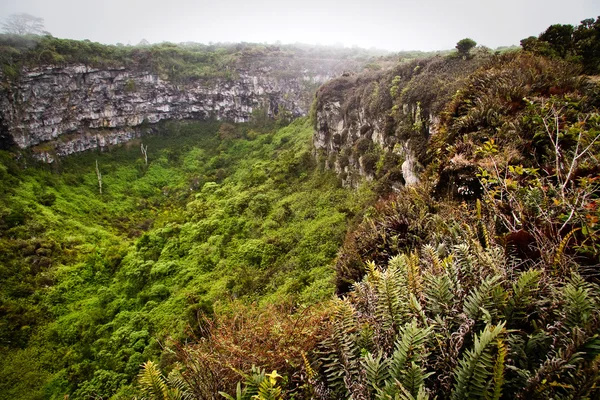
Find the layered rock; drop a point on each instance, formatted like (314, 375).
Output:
(376, 125)
(57, 111)
(355, 134)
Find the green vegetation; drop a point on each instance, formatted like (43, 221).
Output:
(180, 62)
(464, 47)
(92, 283)
(580, 44)
(199, 269)
(480, 282)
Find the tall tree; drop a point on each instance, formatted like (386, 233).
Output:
(24, 24)
(560, 38)
(464, 46)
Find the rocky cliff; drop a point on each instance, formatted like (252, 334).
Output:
(377, 124)
(58, 110)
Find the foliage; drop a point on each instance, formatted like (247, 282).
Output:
(156, 387)
(211, 256)
(240, 337)
(580, 44)
(180, 63)
(464, 47)
(403, 341)
(92, 282)
(24, 24)
(500, 288)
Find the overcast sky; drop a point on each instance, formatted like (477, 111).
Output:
(385, 24)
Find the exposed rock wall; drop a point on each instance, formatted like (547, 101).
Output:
(377, 124)
(62, 110)
(356, 135)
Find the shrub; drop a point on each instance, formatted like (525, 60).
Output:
(241, 336)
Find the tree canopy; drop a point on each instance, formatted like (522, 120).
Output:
(24, 24)
(464, 46)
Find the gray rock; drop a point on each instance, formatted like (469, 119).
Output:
(63, 110)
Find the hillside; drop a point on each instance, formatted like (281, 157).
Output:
(59, 97)
(428, 230)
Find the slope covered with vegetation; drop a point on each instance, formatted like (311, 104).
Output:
(480, 282)
(93, 282)
(208, 265)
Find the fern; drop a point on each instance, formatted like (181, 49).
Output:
(580, 302)
(413, 275)
(438, 293)
(392, 305)
(269, 388)
(523, 296)
(477, 365)
(485, 301)
(430, 255)
(498, 373)
(417, 310)
(310, 372)
(154, 385)
(339, 352)
(561, 247)
(372, 272)
(410, 351)
(414, 378)
(377, 370)
(406, 395)
(493, 259)
(152, 381)
(464, 259)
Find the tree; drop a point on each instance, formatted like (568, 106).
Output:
(24, 24)
(560, 38)
(586, 44)
(464, 46)
(535, 45)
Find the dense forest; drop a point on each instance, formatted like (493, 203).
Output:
(216, 260)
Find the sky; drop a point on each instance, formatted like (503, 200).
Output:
(384, 24)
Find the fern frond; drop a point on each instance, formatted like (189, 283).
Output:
(417, 309)
(377, 370)
(392, 301)
(179, 387)
(464, 259)
(310, 372)
(413, 274)
(430, 255)
(476, 367)
(438, 293)
(269, 388)
(481, 302)
(410, 349)
(414, 378)
(580, 302)
(498, 373)
(494, 259)
(404, 394)
(372, 272)
(340, 352)
(152, 382)
(523, 296)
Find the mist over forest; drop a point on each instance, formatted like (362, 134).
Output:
(299, 209)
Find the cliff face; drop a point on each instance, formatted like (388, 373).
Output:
(377, 124)
(58, 111)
